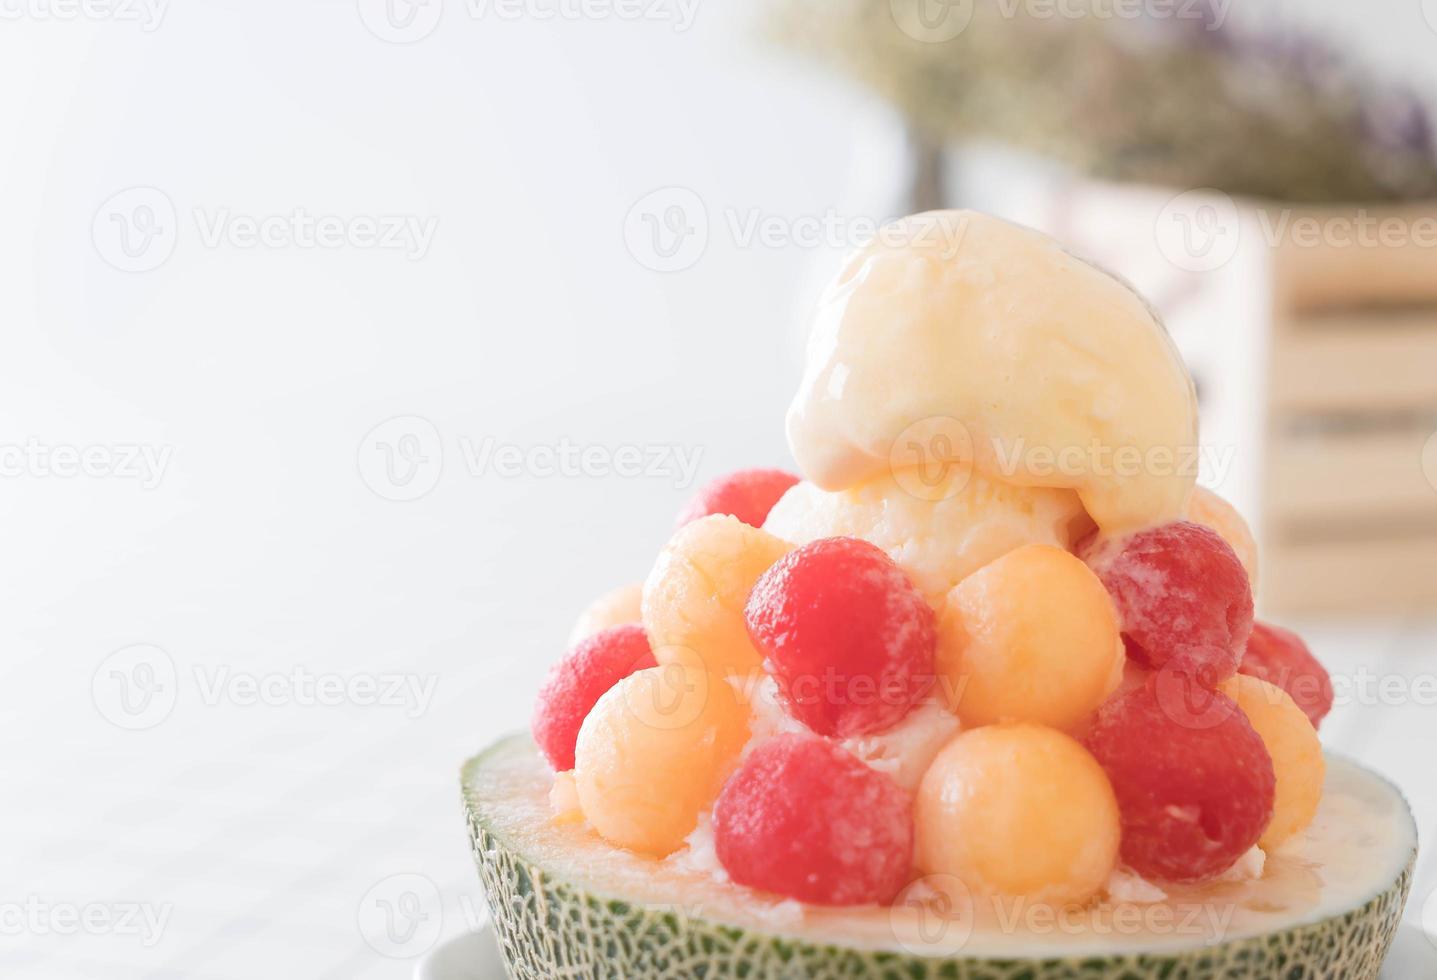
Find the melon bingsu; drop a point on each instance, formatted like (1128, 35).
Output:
(827, 749)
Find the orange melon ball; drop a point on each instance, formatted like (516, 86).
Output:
(1207, 508)
(1296, 754)
(694, 598)
(1018, 811)
(1032, 636)
(654, 753)
(617, 608)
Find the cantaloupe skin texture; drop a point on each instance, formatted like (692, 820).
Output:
(550, 926)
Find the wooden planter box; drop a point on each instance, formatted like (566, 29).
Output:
(1315, 355)
(1350, 498)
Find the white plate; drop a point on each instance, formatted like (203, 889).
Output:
(1413, 957)
(474, 956)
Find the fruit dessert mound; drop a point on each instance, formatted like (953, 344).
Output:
(992, 649)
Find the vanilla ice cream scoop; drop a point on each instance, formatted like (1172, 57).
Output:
(1058, 374)
(939, 539)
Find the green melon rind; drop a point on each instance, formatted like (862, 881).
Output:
(550, 928)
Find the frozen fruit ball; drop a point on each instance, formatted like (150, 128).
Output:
(1017, 811)
(941, 538)
(1279, 657)
(694, 597)
(1032, 636)
(1210, 510)
(578, 681)
(1296, 753)
(1195, 787)
(747, 494)
(848, 638)
(1182, 596)
(803, 818)
(654, 753)
(564, 799)
(611, 609)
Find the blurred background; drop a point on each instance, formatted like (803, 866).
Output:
(350, 349)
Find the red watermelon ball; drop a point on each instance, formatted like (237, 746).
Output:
(1195, 788)
(746, 494)
(1182, 595)
(576, 683)
(1279, 657)
(805, 819)
(848, 638)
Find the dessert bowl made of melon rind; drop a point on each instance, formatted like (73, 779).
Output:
(565, 903)
(933, 708)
